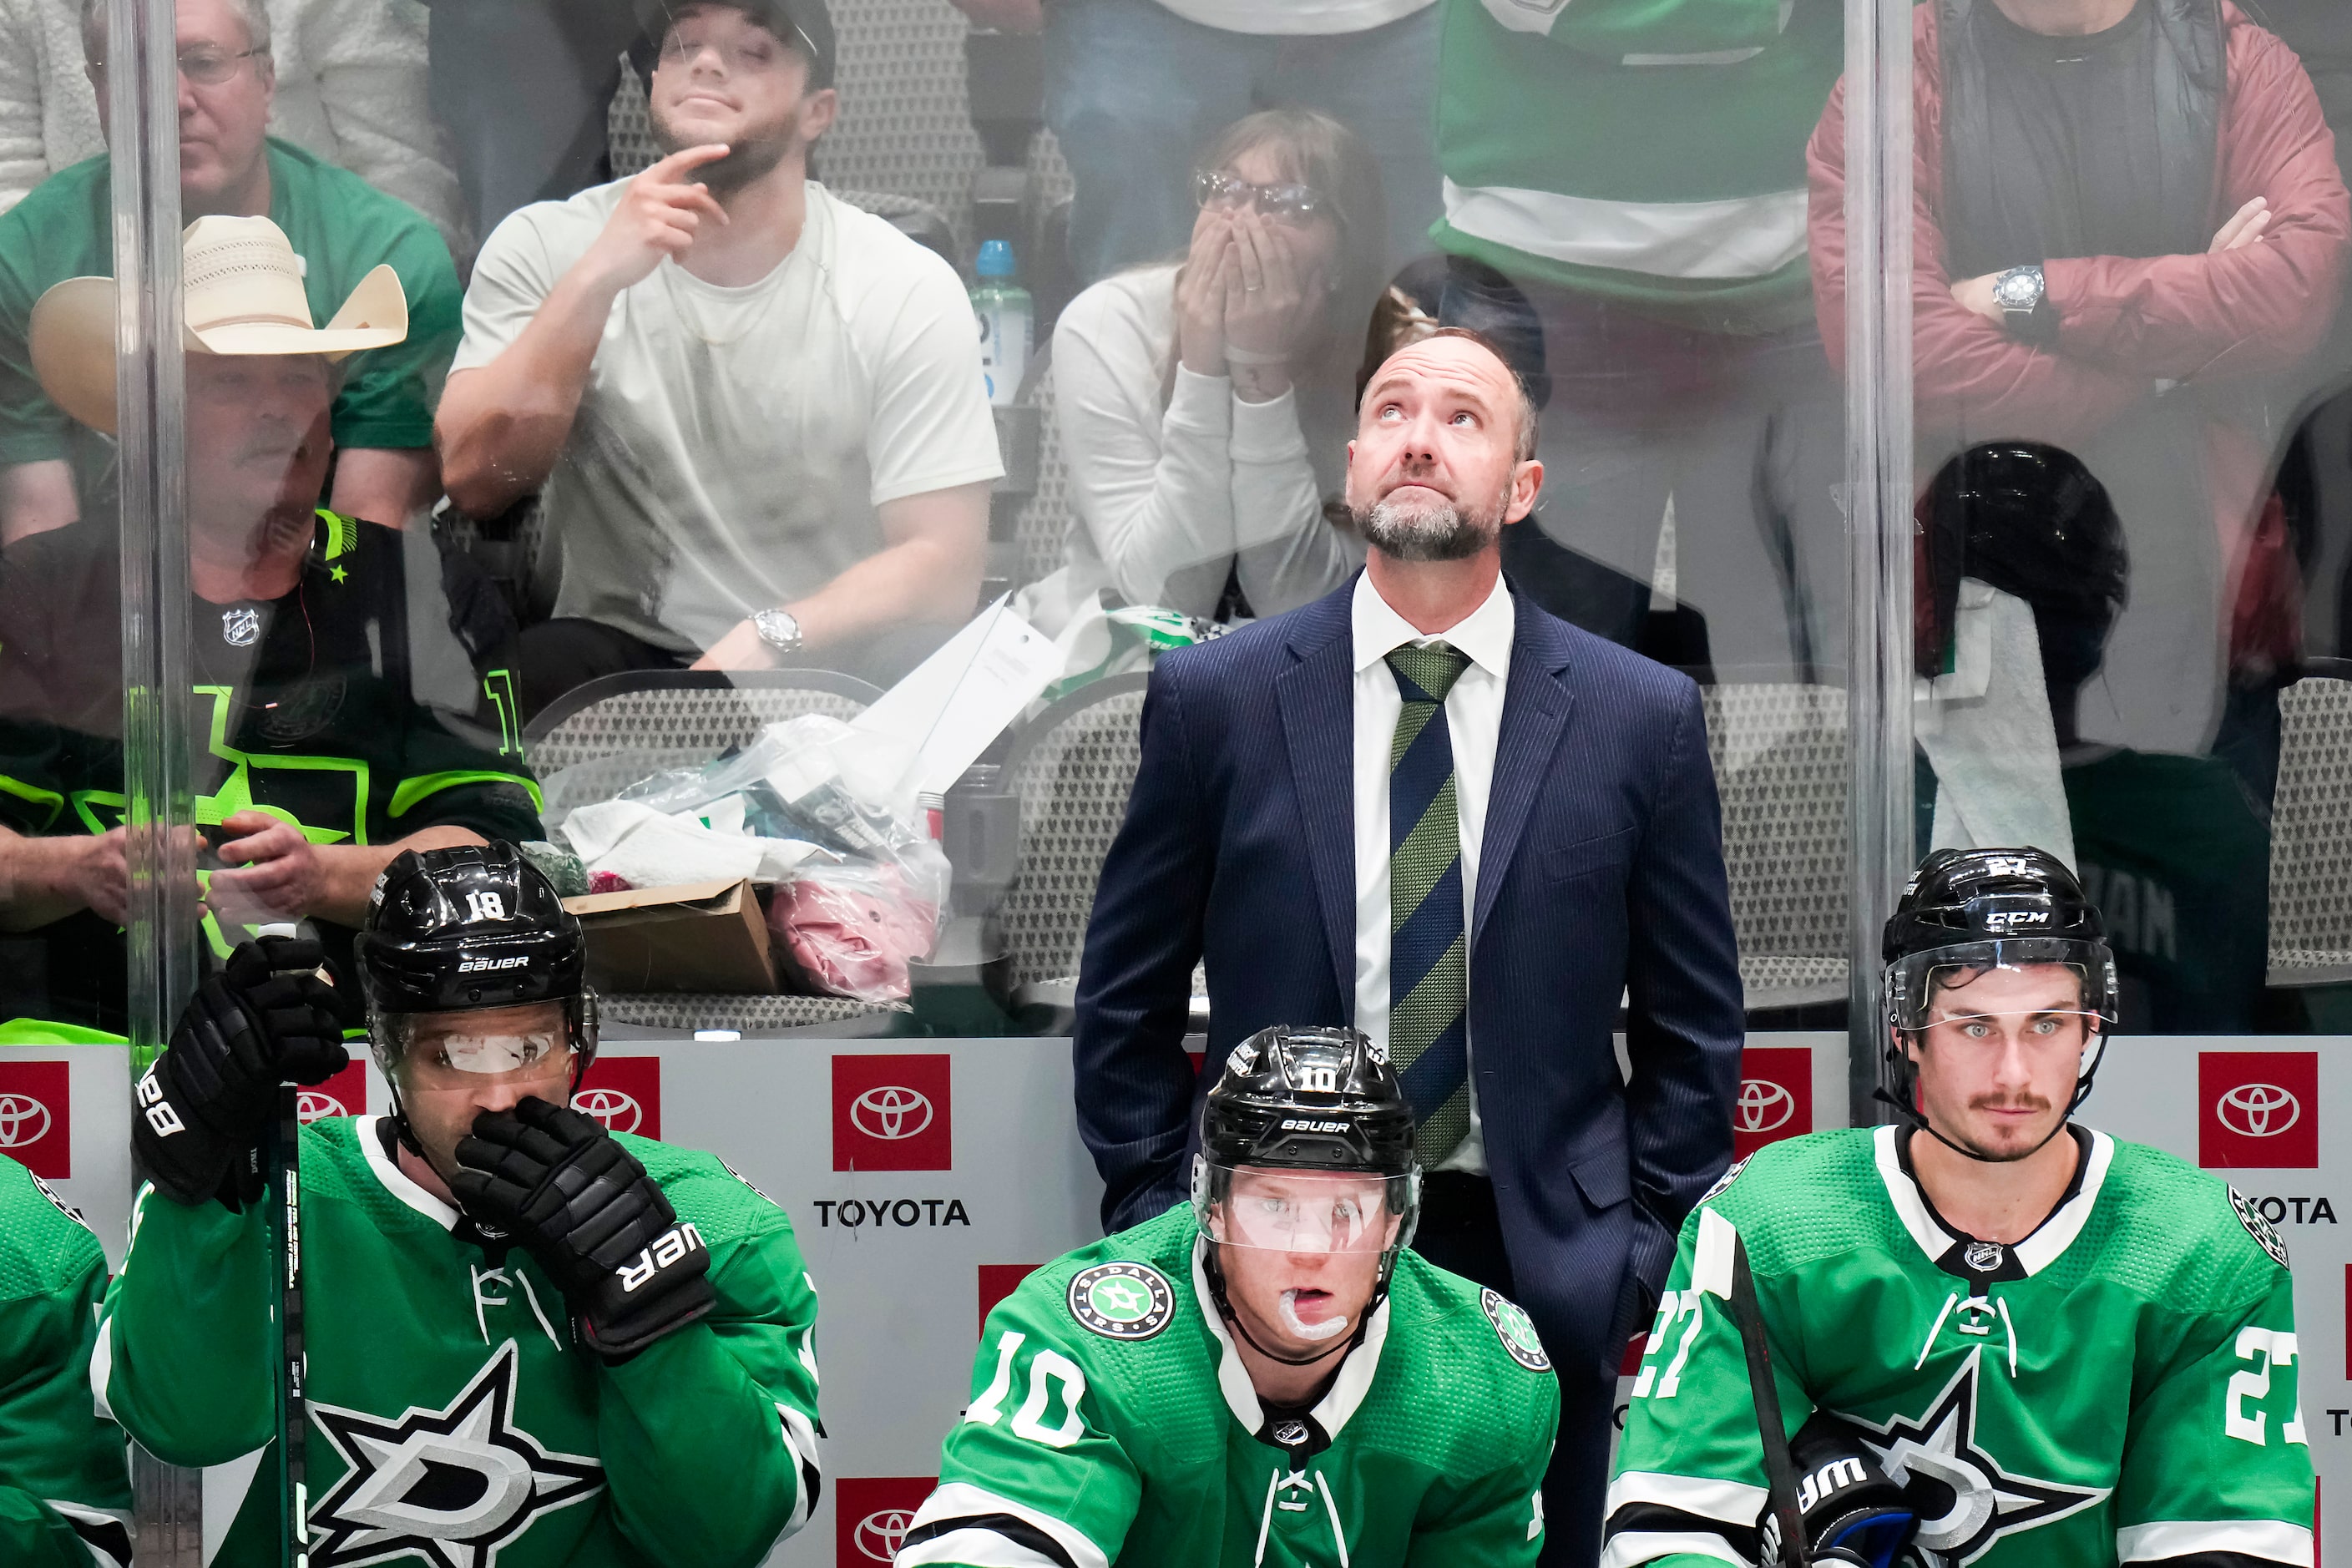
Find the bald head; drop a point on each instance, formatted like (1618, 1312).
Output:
(1459, 353)
(1445, 450)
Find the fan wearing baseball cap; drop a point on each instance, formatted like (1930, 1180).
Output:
(351, 687)
(753, 411)
(55, 467)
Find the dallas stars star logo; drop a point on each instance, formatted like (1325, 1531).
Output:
(451, 1486)
(1937, 1457)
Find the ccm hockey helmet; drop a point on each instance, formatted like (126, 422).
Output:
(1967, 913)
(470, 927)
(1312, 1106)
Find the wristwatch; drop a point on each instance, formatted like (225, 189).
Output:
(2024, 295)
(777, 630)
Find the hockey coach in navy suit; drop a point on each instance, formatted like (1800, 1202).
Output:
(1425, 808)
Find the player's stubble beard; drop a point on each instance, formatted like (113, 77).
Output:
(1431, 531)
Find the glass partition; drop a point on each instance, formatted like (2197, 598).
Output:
(774, 539)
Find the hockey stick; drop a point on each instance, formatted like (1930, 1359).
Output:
(284, 1196)
(1722, 1264)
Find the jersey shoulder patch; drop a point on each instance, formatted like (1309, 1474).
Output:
(1123, 1301)
(1723, 1182)
(62, 1206)
(2265, 1236)
(1515, 1330)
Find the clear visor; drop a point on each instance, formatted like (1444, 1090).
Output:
(479, 1047)
(2032, 987)
(1306, 1211)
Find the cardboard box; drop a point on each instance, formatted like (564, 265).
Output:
(702, 936)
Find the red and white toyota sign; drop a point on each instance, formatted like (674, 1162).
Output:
(345, 1094)
(1776, 1096)
(37, 1117)
(871, 1514)
(623, 1093)
(2258, 1110)
(892, 1113)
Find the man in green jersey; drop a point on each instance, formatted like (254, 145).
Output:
(2061, 1348)
(530, 1342)
(1267, 1377)
(54, 469)
(65, 1484)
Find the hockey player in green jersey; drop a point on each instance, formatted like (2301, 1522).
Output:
(531, 1342)
(1996, 1336)
(1266, 1379)
(65, 1477)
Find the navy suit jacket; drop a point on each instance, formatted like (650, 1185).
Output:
(1601, 872)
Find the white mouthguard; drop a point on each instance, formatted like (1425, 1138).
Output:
(1304, 1330)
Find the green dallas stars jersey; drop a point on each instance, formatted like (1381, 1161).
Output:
(65, 1477)
(2119, 1387)
(1111, 1421)
(453, 1422)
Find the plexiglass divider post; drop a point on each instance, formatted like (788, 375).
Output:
(1879, 464)
(143, 80)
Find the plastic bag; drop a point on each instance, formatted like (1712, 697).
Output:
(851, 930)
(806, 778)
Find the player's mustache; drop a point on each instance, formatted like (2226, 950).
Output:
(2005, 1103)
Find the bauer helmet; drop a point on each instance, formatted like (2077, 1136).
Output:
(463, 928)
(1967, 911)
(1322, 1102)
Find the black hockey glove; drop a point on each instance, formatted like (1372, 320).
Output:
(585, 1207)
(204, 1105)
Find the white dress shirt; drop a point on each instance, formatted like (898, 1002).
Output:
(1474, 718)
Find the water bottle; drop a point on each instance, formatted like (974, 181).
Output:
(1007, 321)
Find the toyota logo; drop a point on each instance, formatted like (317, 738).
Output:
(22, 1119)
(1764, 1105)
(890, 1113)
(2258, 1110)
(617, 1112)
(317, 1105)
(878, 1534)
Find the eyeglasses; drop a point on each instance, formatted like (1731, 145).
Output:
(203, 66)
(1214, 188)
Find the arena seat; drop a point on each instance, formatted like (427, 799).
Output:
(613, 731)
(1779, 757)
(2311, 837)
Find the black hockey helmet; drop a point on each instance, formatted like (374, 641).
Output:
(465, 928)
(1322, 1102)
(1968, 912)
(2034, 521)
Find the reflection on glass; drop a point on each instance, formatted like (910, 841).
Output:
(2131, 234)
(247, 149)
(351, 687)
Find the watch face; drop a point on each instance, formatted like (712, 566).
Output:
(2017, 289)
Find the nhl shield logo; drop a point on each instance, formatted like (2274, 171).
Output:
(241, 626)
(1517, 1331)
(1122, 1300)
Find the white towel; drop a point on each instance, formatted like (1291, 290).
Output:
(1987, 732)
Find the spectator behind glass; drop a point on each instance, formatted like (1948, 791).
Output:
(1134, 86)
(1636, 168)
(53, 471)
(2129, 230)
(2175, 849)
(1206, 403)
(742, 397)
(352, 688)
(350, 88)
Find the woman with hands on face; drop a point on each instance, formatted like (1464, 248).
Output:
(1205, 402)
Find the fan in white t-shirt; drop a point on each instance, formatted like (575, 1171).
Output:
(755, 412)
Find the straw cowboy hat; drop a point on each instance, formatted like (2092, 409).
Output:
(242, 294)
